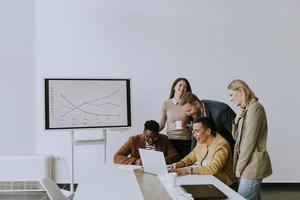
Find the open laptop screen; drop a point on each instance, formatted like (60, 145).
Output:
(153, 162)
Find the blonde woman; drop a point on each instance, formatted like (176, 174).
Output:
(172, 113)
(251, 160)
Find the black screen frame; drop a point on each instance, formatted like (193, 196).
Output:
(47, 108)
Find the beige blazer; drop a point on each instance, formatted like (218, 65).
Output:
(251, 159)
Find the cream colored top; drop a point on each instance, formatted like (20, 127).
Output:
(171, 112)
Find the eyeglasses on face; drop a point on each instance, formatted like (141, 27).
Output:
(151, 135)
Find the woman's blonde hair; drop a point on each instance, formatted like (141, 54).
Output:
(242, 86)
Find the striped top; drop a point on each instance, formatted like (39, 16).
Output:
(149, 146)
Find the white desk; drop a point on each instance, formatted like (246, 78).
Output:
(112, 182)
(108, 182)
(175, 192)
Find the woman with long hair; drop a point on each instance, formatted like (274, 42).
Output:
(251, 162)
(172, 114)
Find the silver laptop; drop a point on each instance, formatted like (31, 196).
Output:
(153, 162)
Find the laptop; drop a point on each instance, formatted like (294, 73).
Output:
(204, 192)
(153, 162)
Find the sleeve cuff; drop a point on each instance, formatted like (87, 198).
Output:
(180, 164)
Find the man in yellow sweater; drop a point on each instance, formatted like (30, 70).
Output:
(211, 156)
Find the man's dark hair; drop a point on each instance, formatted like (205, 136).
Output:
(207, 123)
(188, 97)
(151, 125)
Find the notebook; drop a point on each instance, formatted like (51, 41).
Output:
(153, 162)
(204, 192)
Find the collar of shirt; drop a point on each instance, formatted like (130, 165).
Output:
(204, 114)
(174, 101)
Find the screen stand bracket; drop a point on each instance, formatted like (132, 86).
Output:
(74, 142)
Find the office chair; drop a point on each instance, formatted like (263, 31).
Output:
(54, 192)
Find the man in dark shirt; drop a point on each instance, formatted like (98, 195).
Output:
(219, 112)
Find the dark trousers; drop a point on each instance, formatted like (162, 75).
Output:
(183, 147)
(235, 186)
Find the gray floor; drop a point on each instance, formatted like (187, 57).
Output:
(272, 193)
(281, 195)
(281, 191)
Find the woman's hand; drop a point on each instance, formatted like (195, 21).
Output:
(174, 168)
(182, 171)
(240, 115)
(185, 126)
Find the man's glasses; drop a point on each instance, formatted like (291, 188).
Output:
(151, 136)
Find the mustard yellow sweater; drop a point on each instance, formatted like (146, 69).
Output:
(215, 160)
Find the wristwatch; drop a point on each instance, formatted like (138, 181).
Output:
(191, 170)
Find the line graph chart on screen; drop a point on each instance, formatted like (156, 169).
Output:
(87, 103)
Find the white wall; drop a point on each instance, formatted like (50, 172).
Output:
(154, 42)
(17, 77)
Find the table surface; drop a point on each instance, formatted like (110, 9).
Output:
(128, 182)
(176, 191)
